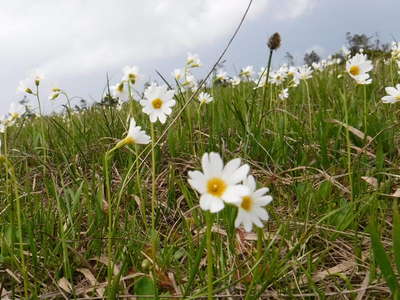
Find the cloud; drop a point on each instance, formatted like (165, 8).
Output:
(76, 40)
(291, 9)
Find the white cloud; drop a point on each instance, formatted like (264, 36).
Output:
(291, 9)
(78, 39)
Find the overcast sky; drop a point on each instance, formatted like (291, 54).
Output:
(76, 43)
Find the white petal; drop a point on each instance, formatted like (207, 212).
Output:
(239, 175)
(234, 193)
(216, 164)
(216, 206)
(231, 167)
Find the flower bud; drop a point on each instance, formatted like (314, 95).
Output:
(274, 41)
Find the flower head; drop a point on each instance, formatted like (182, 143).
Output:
(284, 94)
(157, 102)
(205, 98)
(15, 111)
(358, 67)
(218, 183)
(24, 87)
(119, 91)
(193, 60)
(395, 50)
(135, 135)
(131, 74)
(393, 94)
(251, 208)
(247, 72)
(178, 74)
(235, 80)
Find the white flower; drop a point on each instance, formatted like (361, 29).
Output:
(394, 94)
(119, 91)
(235, 80)
(205, 98)
(24, 87)
(193, 60)
(157, 102)
(55, 92)
(247, 72)
(189, 81)
(135, 135)
(304, 72)
(131, 74)
(395, 50)
(251, 210)
(218, 183)
(358, 67)
(284, 94)
(37, 77)
(221, 76)
(15, 111)
(178, 74)
(277, 78)
(346, 52)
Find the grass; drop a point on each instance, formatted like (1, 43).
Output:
(332, 186)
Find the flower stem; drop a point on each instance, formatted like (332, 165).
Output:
(346, 115)
(110, 230)
(142, 203)
(210, 293)
(365, 114)
(153, 177)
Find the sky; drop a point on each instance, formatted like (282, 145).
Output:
(76, 44)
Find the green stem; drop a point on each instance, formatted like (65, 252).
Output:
(266, 80)
(365, 114)
(142, 201)
(110, 225)
(348, 145)
(153, 177)
(309, 106)
(10, 170)
(210, 292)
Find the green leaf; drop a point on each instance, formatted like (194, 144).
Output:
(396, 235)
(382, 260)
(145, 287)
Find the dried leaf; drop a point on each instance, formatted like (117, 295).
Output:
(65, 285)
(353, 130)
(371, 180)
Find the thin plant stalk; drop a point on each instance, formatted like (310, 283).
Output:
(153, 177)
(346, 115)
(142, 203)
(365, 113)
(210, 275)
(110, 223)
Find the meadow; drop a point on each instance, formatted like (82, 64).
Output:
(90, 209)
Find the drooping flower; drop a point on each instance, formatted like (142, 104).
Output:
(24, 87)
(178, 74)
(131, 74)
(157, 102)
(358, 67)
(393, 94)
(119, 91)
(284, 94)
(251, 209)
(218, 183)
(205, 98)
(135, 135)
(193, 60)
(55, 92)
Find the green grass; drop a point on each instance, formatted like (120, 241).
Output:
(317, 243)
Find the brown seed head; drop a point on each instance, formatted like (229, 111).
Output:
(274, 41)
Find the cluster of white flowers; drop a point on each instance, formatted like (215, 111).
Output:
(15, 112)
(230, 184)
(123, 89)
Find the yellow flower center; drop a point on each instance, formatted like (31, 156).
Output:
(247, 203)
(157, 103)
(216, 187)
(355, 70)
(129, 140)
(397, 97)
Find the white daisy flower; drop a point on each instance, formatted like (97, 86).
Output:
(157, 102)
(205, 98)
(393, 94)
(218, 183)
(15, 111)
(235, 80)
(189, 81)
(135, 135)
(131, 74)
(24, 87)
(37, 77)
(247, 72)
(119, 91)
(251, 208)
(358, 67)
(178, 74)
(276, 78)
(221, 76)
(193, 60)
(346, 52)
(395, 50)
(284, 94)
(304, 72)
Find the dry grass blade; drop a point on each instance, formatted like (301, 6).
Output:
(353, 130)
(92, 280)
(65, 285)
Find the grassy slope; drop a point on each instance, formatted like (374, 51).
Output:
(318, 219)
